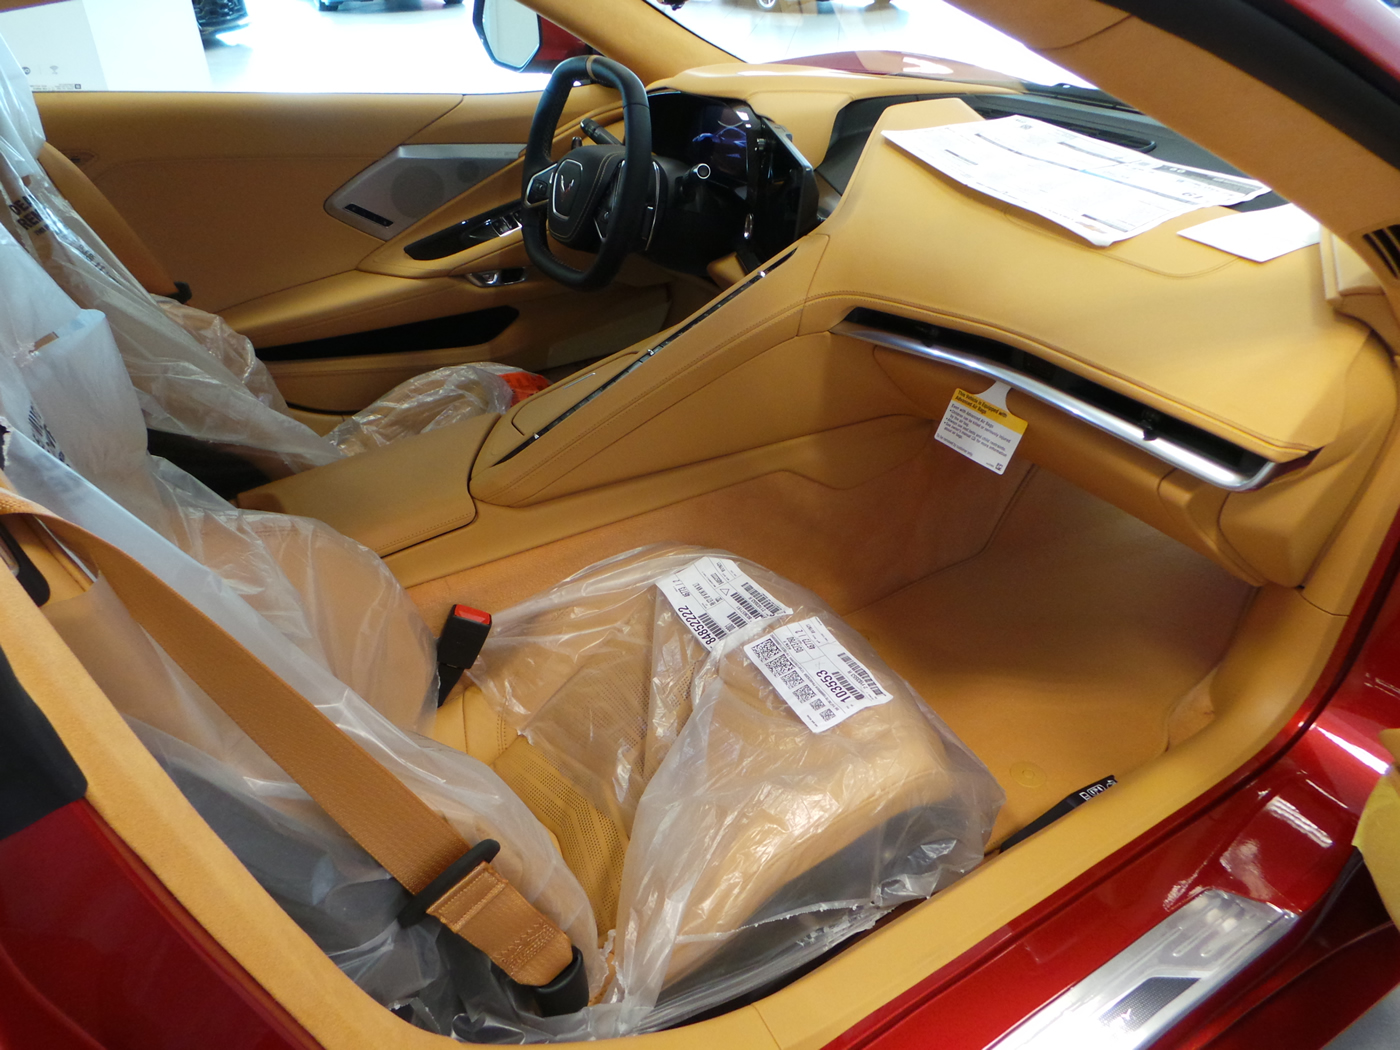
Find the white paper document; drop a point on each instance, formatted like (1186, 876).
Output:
(1259, 235)
(1104, 193)
(815, 674)
(715, 598)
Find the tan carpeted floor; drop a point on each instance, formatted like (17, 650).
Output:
(1058, 653)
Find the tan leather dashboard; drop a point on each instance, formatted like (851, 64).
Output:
(1251, 352)
(1258, 356)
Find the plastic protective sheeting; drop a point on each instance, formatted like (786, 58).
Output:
(62, 382)
(182, 387)
(232, 350)
(756, 844)
(342, 898)
(323, 612)
(19, 116)
(425, 402)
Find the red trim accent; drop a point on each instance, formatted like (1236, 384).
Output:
(466, 612)
(557, 44)
(1367, 25)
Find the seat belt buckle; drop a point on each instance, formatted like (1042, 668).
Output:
(459, 645)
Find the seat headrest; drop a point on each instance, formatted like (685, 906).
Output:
(20, 127)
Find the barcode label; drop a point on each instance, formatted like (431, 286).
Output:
(817, 677)
(763, 599)
(858, 669)
(715, 598)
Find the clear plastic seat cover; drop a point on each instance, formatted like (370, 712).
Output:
(74, 441)
(194, 375)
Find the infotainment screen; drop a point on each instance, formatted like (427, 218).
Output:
(720, 138)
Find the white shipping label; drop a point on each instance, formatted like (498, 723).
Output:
(980, 427)
(715, 598)
(813, 672)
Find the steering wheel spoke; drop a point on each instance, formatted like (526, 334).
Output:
(537, 187)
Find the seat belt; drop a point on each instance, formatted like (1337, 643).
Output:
(451, 881)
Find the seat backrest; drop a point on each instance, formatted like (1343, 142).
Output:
(187, 381)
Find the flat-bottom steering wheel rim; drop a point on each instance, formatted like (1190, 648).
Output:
(625, 221)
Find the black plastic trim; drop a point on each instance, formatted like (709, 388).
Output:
(37, 774)
(441, 333)
(463, 235)
(26, 572)
(224, 469)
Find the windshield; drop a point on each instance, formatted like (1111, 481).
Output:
(781, 30)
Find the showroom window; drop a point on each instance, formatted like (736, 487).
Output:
(256, 45)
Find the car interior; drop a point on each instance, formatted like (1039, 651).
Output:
(751, 342)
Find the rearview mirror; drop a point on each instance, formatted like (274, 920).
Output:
(519, 39)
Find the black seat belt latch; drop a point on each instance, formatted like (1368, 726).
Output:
(458, 646)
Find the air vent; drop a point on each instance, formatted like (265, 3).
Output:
(1385, 242)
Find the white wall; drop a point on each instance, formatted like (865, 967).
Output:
(119, 45)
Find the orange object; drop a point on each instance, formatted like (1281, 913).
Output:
(524, 384)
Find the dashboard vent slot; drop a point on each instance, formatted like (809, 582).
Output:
(1183, 445)
(1385, 242)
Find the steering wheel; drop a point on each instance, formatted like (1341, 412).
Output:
(596, 196)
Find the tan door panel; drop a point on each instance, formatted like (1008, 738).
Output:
(228, 189)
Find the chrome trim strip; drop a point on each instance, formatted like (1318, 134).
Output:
(1168, 451)
(1132, 1000)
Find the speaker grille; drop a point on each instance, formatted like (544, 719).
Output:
(417, 190)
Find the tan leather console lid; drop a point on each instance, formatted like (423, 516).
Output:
(392, 497)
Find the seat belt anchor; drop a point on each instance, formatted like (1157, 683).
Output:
(567, 993)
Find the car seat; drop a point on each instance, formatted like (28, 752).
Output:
(654, 798)
(209, 403)
(723, 840)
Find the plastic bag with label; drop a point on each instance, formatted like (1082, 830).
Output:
(753, 843)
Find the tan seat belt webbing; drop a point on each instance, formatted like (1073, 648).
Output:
(372, 805)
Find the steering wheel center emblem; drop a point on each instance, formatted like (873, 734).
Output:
(568, 177)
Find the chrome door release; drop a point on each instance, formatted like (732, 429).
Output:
(497, 278)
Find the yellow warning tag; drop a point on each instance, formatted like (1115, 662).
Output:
(980, 427)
